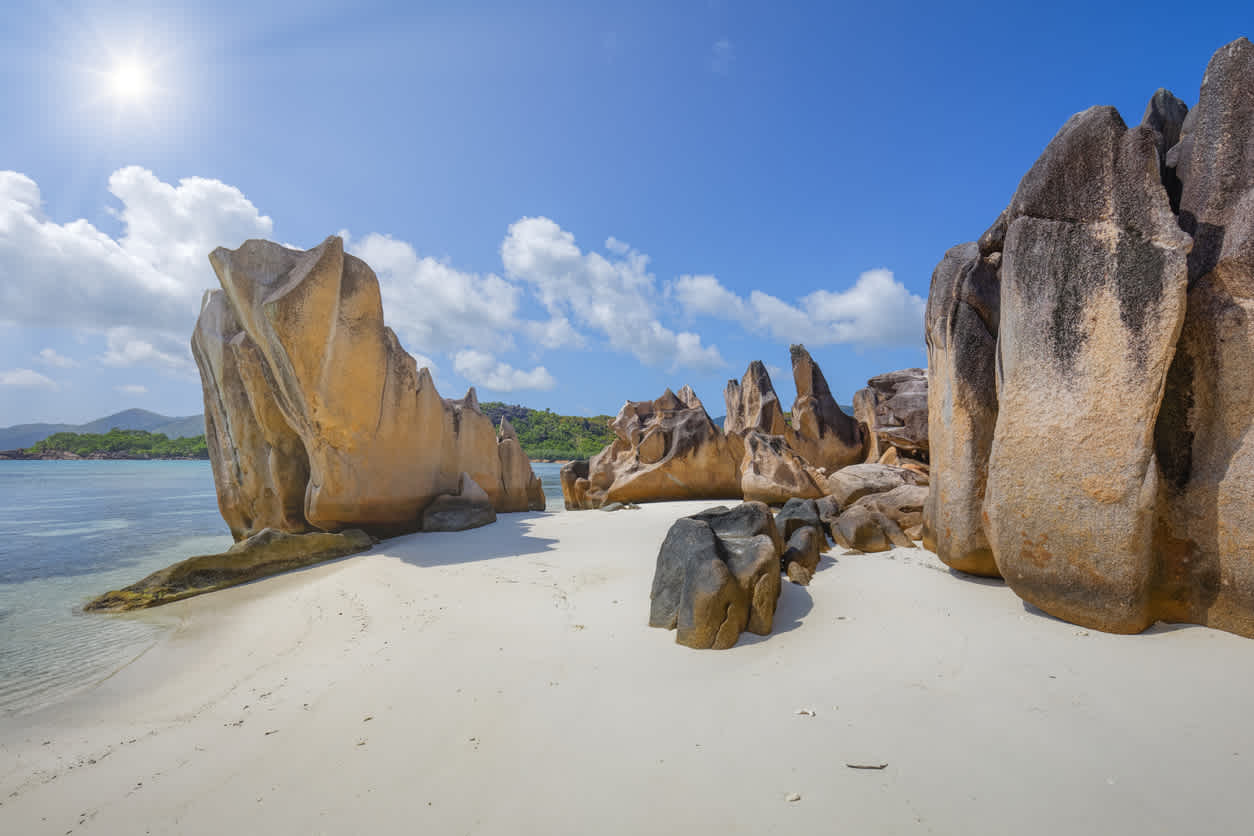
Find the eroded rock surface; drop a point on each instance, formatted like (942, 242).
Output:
(717, 574)
(670, 449)
(266, 553)
(893, 408)
(316, 417)
(1109, 429)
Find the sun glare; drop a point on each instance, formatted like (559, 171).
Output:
(129, 82)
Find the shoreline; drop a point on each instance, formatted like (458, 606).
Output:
(503, 680)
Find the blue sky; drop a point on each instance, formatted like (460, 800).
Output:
(568, 204)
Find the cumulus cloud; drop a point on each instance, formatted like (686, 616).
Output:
(148, 280)
(132, 389)
(127, 346)
(877, 311)
(613, 295)
(26, 377)
(50, 357)
(434, 306)
(485, 370)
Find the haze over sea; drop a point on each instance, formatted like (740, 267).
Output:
(70, 530)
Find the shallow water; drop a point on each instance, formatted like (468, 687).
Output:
(72, 530)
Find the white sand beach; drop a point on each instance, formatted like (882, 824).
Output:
(503, 680)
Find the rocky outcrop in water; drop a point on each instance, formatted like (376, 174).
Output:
(266, 553)
(317, 418)
(1091, 358)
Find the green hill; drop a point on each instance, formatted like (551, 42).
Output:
(135, 444)
(24, 435)
(546, 435)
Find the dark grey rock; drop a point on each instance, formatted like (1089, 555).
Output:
(754, 563)
(795, 514)
(457, 513)
(687, 543)
(804, 547)
(748, 519)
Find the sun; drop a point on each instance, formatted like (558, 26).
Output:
(129, 81)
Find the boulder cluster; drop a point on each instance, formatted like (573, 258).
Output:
(670, 448)
(317, 419)
(1091, 356)
(718, 572)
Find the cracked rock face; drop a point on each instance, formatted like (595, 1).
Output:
(316, 416)
(1090, 362)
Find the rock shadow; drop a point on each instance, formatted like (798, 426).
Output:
(509, 536)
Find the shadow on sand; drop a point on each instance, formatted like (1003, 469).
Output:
(509, 536)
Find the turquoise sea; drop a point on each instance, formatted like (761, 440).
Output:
(70, 530)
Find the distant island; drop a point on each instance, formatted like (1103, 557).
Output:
(115, 444)
(140, 434)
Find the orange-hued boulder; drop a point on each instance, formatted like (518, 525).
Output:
(316, 416)
(822, 433)
(664, 449)
(670, 449)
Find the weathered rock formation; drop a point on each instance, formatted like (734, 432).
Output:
(664, 449)
(822, 433)
(961, 332)
(317, 418)
(670, 449)
(267, 552)
(893, 409)
(718, 574)
(1113, 456)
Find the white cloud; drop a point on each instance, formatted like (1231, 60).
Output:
(127, 346)
(614, 296)
(26, 377)
(877, 311)
(484, 370)
(148, 280)
(50, 357)
(556, 333)
(705, 295)
(722, 54)
(132, 389)
(434, 306)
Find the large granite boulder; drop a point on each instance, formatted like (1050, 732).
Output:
(822, 433)
(268, 552)
(1205, 433)
(893, 408)
(717, 574)
(1118, 289)
(665, 449)
(315, 415)
(1092, 281)
(963, 311)
(903, 505)
(849, 484)
(862, 529)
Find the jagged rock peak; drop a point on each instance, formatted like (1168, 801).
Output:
(752, 404)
